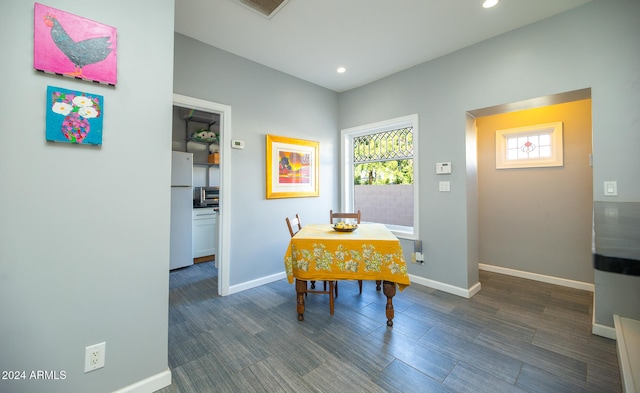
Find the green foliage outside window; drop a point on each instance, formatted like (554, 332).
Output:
(384, 157)
(385, 172)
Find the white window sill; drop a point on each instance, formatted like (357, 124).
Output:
(402, 232)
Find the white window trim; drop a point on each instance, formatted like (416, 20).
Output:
(346, 165)
(556, 159)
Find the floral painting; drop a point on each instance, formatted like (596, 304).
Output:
(70, 45)
(74, 116)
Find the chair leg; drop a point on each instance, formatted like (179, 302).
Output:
(335, 286)
(359, 286)
(331, 283)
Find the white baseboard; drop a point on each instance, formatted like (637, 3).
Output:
(585, 286)
(256, 283)
(603, 331)
(463, 292)
(474, 289)
(149, 385)
(466, 293)
(628, 334)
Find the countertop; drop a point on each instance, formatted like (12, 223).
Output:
(616, 239)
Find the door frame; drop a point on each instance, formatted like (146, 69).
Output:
(224, 222)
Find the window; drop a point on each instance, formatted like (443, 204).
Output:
(379, 165)
(531, 146)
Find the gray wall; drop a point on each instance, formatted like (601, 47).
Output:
(111, 284)
(595, 46)
(263, 101)
(84, 253)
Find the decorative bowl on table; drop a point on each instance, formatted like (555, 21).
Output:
(344, 227)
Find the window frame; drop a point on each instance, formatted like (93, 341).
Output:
(346, 167)
(556, 159)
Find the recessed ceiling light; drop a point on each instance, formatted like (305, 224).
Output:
(341, 70)
(489, 3)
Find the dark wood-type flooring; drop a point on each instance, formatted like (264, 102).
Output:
(515, 335)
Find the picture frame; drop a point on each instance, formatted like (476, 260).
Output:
(293, 167)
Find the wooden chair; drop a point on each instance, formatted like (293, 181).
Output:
(295, 225)
(341, 217)
(292, 223)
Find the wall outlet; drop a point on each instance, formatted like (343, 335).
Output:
(94, 357)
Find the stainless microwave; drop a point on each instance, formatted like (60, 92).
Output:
(206, 196)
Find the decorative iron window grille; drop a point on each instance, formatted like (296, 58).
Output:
(383, 146)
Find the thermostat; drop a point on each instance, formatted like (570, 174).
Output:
(443, 168)
(237, 144)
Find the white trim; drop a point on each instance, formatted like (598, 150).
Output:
(603, 331)
(466, 293)
(400, 233)
(474, 289)
(628, 333)
(346, 161)
(462, 292)
(224, 221)
(585, 286)
(257, 282)
(149, 385)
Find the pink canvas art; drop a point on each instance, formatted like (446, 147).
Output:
(73, 46)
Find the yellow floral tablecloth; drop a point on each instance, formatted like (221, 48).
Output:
(371, 252)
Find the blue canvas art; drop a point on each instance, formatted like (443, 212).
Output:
(74, 116)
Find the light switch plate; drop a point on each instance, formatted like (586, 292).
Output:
(444, 186)
(611, 188)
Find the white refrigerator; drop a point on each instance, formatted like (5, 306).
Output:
(181, 251)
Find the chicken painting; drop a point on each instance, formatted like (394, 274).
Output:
(81, 53)
(70, 45)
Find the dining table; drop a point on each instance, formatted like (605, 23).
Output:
(319, 252)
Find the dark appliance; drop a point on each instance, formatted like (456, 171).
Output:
(206, 196)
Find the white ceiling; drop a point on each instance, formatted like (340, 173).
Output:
(310, 39)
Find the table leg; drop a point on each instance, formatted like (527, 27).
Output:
(378, 282)
(389, 289)
(301, 290)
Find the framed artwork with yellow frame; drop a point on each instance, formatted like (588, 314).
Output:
(293, 167)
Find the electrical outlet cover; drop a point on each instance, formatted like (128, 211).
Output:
(94, 357)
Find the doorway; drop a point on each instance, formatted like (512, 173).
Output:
(224, 112)
(536, 222)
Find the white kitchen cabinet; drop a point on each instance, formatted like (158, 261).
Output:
(205, 232)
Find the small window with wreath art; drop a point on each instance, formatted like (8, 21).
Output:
(534, 146)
